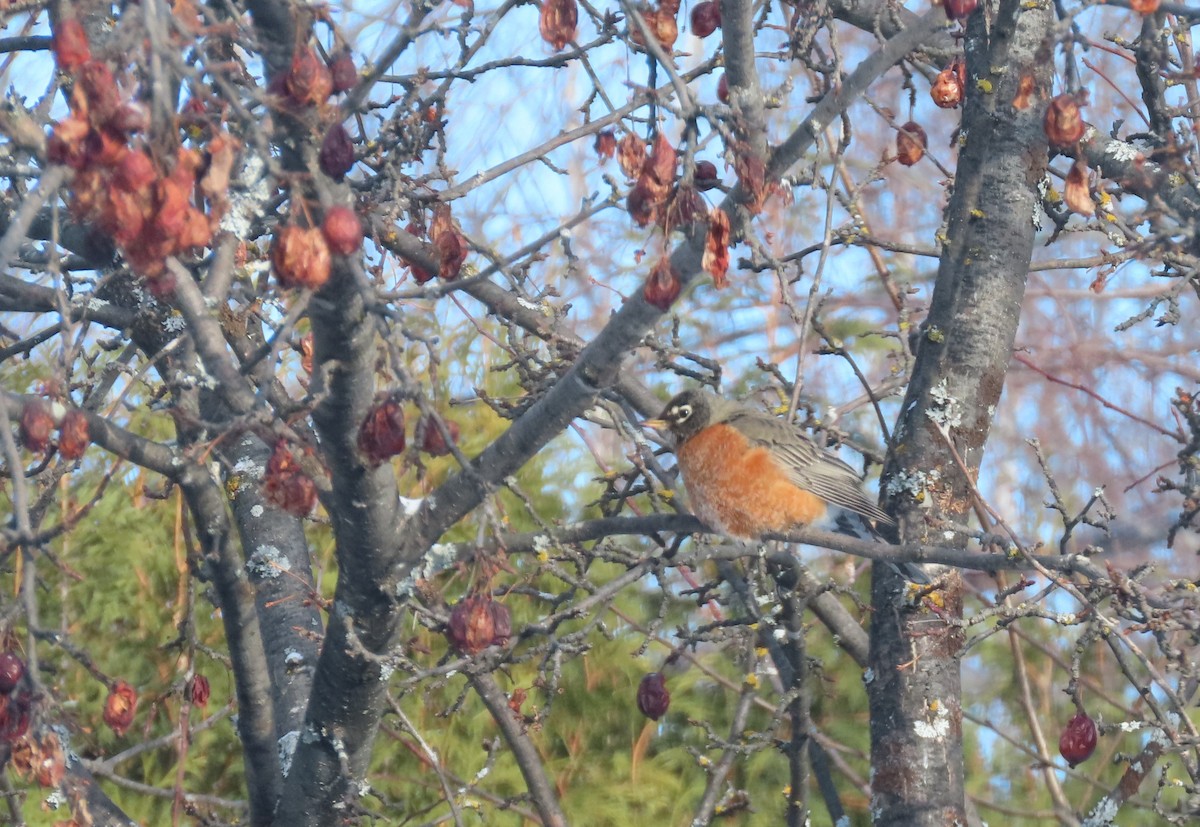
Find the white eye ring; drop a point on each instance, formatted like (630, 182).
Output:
(683, 413)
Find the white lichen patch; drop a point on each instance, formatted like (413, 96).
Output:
(292, 658)
(946, 411)
(536, 307)
(249, 469)
(287, 749)
(1121, 151)
(256, 511)
(267, 562)
(246, 205)
(913, 483)
(439, 558)
(1102, 814)
(409, 506)
(936, 729)
(203, 378)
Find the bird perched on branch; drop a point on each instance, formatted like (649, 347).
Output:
(749, 474)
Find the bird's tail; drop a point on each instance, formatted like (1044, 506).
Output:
(856, 525)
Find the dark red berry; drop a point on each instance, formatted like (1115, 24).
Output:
(706, 175)
(653, 699)
(1078, 740)
(337, 152)
(12, 669)
(706, 18)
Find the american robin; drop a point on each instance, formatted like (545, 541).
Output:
(750, 474)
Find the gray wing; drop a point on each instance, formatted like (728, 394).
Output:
(808, 465)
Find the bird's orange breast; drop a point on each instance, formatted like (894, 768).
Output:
(739, 488)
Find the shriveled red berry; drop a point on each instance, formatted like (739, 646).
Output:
(432, 441)
(73, 437)
(199, 690)
(1063, 122)
(308, 81)
(684, 206)
(36, 425)
(381, 435)
(605, 145)
(300, 256)
(947, 89)
(336, 156)
(663, 286)
(135, 172)
(653, 699)
(910, 143)
(477, 622)
(343, 72)
(1078, 740)
(557, 22)
(723, 89)
(12, 669)
(706, 18)
(120, 706)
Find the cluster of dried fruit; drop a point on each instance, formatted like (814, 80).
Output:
(660, 21)
(655, 178)
(477, 622)
(32, 757)
(1065, 127)
(449, 244)
(656, 199)
(39, 758)
(37, 423)
(302, 256)
(1063, 123)
(286, 484)
(381, 434)
(152, 205)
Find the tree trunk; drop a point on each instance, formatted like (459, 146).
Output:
(962, 355)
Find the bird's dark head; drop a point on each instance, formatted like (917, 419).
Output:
(686, 414)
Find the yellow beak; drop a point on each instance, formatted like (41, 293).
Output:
(657, 424)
